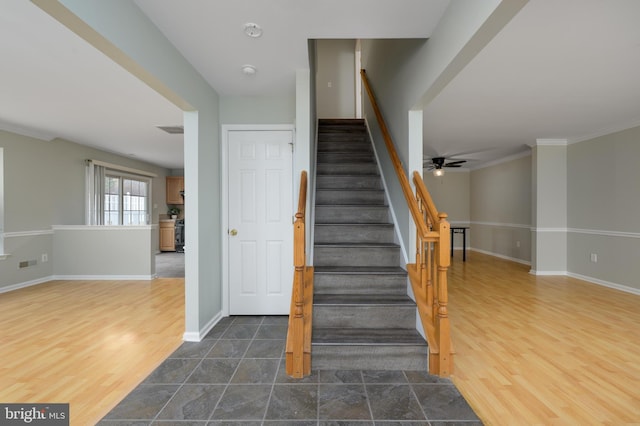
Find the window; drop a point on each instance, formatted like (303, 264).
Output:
(117, 197)
(126, 200)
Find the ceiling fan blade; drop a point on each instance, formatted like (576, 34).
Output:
(455, 163)
(452, 165)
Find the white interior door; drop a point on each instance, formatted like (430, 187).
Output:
(260, 238)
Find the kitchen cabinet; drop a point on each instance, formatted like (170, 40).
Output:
(175, 184)
(167, 235)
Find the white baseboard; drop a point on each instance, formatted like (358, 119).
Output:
(104, 277)
(592, 280)
(501, 256)
(25, 284)
(42, 280)
(609, 284)
(547, 273)
(197, 336)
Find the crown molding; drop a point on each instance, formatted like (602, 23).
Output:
(36, 134)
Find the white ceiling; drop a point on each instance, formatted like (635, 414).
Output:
(560, 69)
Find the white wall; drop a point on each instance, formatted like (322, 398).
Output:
(335, 78)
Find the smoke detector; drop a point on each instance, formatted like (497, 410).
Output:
(252, 30)
(248, 69)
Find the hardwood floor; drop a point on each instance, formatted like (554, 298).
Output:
(543, 350)
(529, 350)
(88, 343)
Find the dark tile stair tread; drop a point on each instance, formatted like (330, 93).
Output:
(360, 270)
(362, 299)
(366, 336)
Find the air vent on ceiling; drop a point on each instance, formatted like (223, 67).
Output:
(174, 130)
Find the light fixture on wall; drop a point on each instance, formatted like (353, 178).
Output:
(438, 171)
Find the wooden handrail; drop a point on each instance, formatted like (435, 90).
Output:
(298, 347)
(428, 275)
(395, 160)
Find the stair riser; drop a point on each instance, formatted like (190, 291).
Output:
(342, 137)
(349, 214)
(347, 168)
(364, 316)
(345, 146)
(340, 157)
(351, 129)
(359, 284)
(356, 256)
(349, 182)
(327, 122)
(356, 357)
(326, 234)
(346, 197)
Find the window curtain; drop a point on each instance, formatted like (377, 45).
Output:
(94, 183)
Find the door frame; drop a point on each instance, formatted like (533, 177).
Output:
(224, 183)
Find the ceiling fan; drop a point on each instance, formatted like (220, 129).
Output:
(437, 164)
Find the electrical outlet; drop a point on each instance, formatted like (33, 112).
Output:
(45, 257)
(518, 244)
(594, 257)
(329, 84)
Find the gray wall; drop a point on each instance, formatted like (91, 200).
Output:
(44, 185)
(335, 61)
(603, 208)
(451, 194)
(500, 204)
(257, 110)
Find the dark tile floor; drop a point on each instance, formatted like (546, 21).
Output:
(236, 376)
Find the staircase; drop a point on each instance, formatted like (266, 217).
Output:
(362, 316)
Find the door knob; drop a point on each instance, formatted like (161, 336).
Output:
(233, 232)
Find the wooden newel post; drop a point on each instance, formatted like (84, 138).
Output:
(443, 326)
(297, 368)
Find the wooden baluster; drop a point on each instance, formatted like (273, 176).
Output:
(428, 282)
